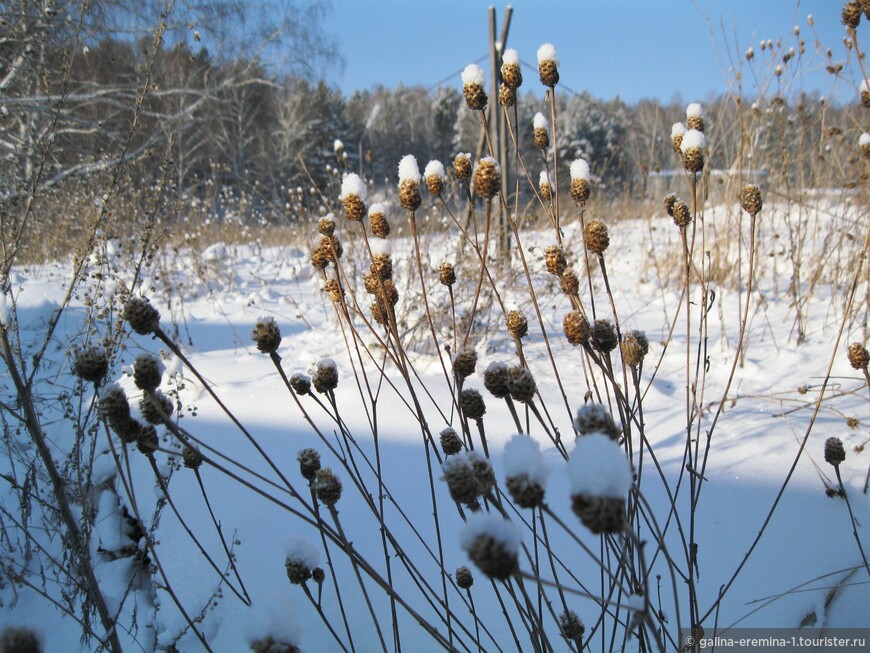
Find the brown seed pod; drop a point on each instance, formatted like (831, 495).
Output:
(487, 178)
(521, 384)
(595, 418)
(475, 96)
(435, 184)
(571, 627)
(114, 406)
(517, 324)
(525, 492)
(596, 236)
(301, 383)
(858, 356)
(669, 202)
(191, 458)
(569, 282)
(492, 557)
(326, 225)
(320, 258)
(576, 328)
(512, 75)
(382, 266)
(155, 406)
(835, 453)
(542, 138)
(580, 190)
(309, 463)
(507, 97)
(147, 440)
(327, 486)
(495, 379)
(682, 215)
(464, 363)
(91, 364)
(267, 335)
(409, 194)
(462, 166)
(379, 224)
(554, 257)
(604, 336)
(297, 572)
(354, 207)
(634, 347)
(142, 317)
(695, 122)
(446, 274)
(851, 14)
(599, 514)
(548, 72)
(750, 199)
(464, 578)
(451, 444)
(472, 403)
(147, 372)
(334, 289)
(693, 159)
(325, 376)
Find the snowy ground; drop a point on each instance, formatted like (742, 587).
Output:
(807, 550)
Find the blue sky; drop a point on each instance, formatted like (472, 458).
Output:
(630, 48)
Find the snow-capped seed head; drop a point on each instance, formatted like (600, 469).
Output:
(337, 146)
(595, 418)
(541, 131)
(492, 543)
(446, 274)
(580, 187)
(378, 222)
(435, 177)
(155, 407)
(695, 116)
(301, 383)
(487, 178)
(462, 165)
(571, 626)
(864, 145)
(604, 336)
(464, 363)
(142, 317)
(596, 236)
(267, 335)
(473, 82)
(325, 375)
(750, 199)
(511, 72)
(692, 148)
(469, 476)
(148, 372)
(678, 130)
(327, 486)
(858, 356)
(309, 463)
(114, 405)
(544, 185)
(750, 53)
(326, 224)
(409, 183)
(517, 324)
(381, 247)
(464, 578)
(451, 444)
(91, 364)
(521, 384)
(191, 458)
(548, 65)
(300, 559)
(600, 477)
(835, 453)
(525, 472)
(580, 169)
(495, 379)
(353, 196)
(576, 328)
(864, 91)
(634, 347)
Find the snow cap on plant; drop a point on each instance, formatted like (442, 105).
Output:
(596, 236)
(446, 273)
(337, 146)
(492, 543)
(378, 220)
(487, 178)
(409, 183)
(148, 372)
(495, 378)
(155, 407)
(511, 73)
(548, 65)
(473, 82)
(750, 199)
(91, 364)
(541, 131)
(353, 196)
(450, 442)
(462, 165)
(600, 477)
(300, 559)
(526, 473)
(749, 54)
(678, 130)
(692, 148)
(266, 334)
(301, 383)
(517, 324)
(142, 317)
(864, 90)
(580, 180)
(576, 328)
(571, 626)
(544, 185)
(864, 145)
(435, 177)
(695, 116)
(521, 384)
(325, 375)
(858, 356)
(469, 476)
(595, 418)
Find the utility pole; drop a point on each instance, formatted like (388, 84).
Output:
(496, 119)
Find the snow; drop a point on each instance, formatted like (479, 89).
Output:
(381, 246)
(378, 207)
(337, 145)
(522, 456)
(473, 75)
(4, 309)
(490, 161)
(864, 139)
(693, 139)
(694, 110)
(865, 86)
(678, 129)
(500, 529)
(540, 121)
(543, 178)
(302, 552)
(598, 467)
(435, 169)
(510, 57)
(352, 184)
(547, 52)
(580, 169)
(408, 169)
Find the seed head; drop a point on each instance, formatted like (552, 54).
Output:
(858, 356)
(521, 384)
(580, 180)
(464, 363)
(495, 379)
(525, 492)
(382, 266)
(18, 639)
(692, 147)
(835, 453)
(670, 200)
(576, 328)
(604, 336)
(634, 347)
(571, 626)
(468, 477)
(462, 165)
(301, 383)
(378, 222)
(148, 372)
(511, 74)
(473, 80)
(327, 486)
(334, 289)
(191, 457)
(114, 405)
(147, 440)
(555, 260)
(851, 14)
(91, 364)
(487, 178)
(595, 418)
(309, 463)
(596, 236)
(864, 91)
(142, 316)
(450, 442)
(569, 282)
(435, 177)
(446, 274)
(320, 257)
(409, 183)
(678, 130)
(325, 375)
(548, 65)
(326, 225)
(695, 116)
(353, 197)
(507, 97)
(541, 131)
(544, 186)
(682, 215)
(267, 335)
(599, 514)
(517, 325)
(154, 406)
(865, 7)
(472, 404)
(492, 544)
(750, 199)
(463, 577)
